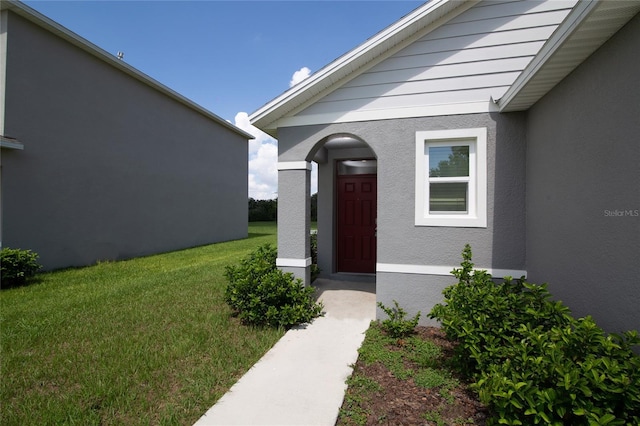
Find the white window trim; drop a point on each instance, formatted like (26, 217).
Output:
(476, 217)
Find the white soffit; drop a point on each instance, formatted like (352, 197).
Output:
(395, 37)
(53, 27)
(589, 25)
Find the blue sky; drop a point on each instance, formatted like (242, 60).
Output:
(231, 57)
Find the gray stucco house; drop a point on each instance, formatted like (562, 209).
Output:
(101, 162)
(509, 125)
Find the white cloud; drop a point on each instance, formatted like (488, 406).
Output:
(263, 173)
(242, 121)
(299, 75)
(263, 160)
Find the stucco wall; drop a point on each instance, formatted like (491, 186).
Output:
(583, 185)
(111, 168)
(400, 241)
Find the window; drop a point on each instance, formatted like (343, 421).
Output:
(451, 178)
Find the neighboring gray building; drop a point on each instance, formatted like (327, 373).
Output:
(509, 125)
(101, 162)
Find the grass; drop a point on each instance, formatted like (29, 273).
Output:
(414, 359)
(143, 341)
(361, 390)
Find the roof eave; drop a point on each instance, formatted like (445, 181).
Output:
(532, 84)
(42, 21)
(318, 84)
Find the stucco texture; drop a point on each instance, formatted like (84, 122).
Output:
(399, 241)
(111, 168)
(583, 186)
(393, 144)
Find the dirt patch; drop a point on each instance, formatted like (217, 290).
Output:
(385, 399)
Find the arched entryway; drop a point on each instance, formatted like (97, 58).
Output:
(347, 207)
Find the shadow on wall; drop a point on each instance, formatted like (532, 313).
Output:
(509, 191)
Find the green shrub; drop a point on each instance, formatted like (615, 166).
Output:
(315, 270)
(396, 325)
(261, 294)
(484, 316)
(17, 266)
(532, 362)
(313, 242)
(573, 375)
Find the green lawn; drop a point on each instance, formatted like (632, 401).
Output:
(143, 341)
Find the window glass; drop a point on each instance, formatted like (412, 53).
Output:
(448, 161)
(448, 197)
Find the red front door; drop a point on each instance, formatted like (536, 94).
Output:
(356, 239)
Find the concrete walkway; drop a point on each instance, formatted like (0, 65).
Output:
(301, 380)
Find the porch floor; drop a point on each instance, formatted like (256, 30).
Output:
(301, 380)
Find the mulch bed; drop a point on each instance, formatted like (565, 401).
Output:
(401, 402)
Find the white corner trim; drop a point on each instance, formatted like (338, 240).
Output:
(399, 268)
(293, 263)
(294, 165)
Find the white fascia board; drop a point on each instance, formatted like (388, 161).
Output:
(573, 20)
(318, 83)
(398, 268)
(73, 38)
